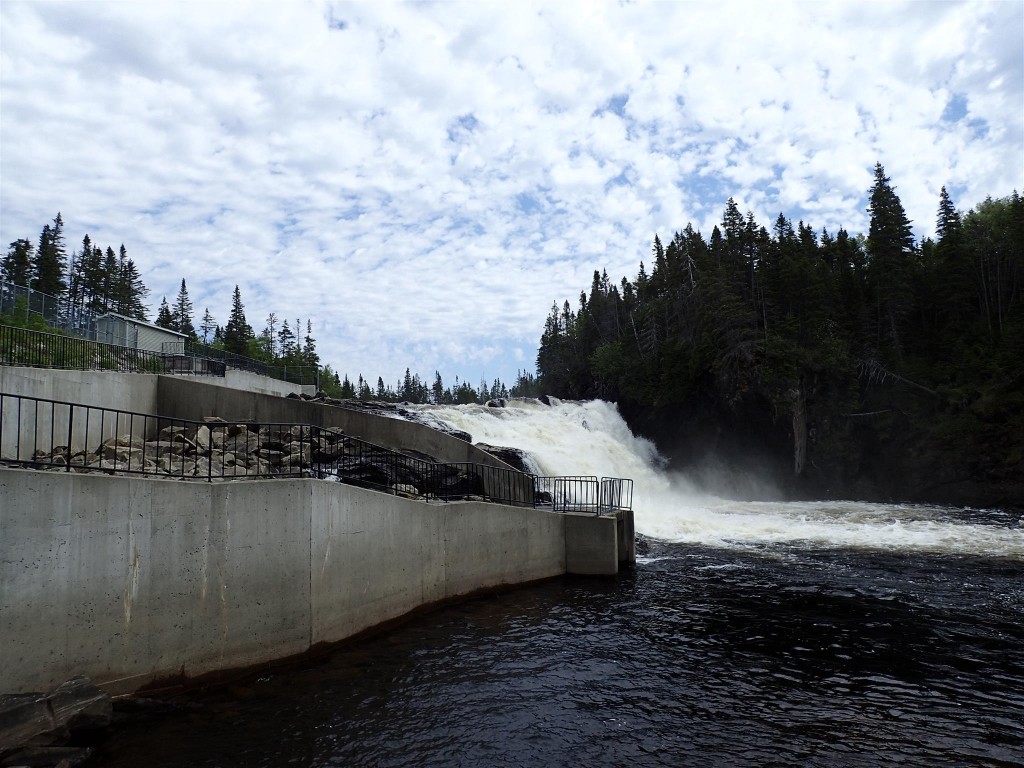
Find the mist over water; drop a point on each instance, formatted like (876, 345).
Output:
(591, 438)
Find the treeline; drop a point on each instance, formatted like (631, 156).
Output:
(93, 281)
(277, 344)
(864, 356)
(413, 389)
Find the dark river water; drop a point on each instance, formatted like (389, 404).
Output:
(702, 656)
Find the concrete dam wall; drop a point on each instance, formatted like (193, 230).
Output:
(132, 579)
(127, 580)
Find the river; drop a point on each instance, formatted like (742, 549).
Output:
(752, 633)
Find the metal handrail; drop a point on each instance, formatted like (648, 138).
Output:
(296, 374)
(585, 493)
(39, 349)
(65, 436)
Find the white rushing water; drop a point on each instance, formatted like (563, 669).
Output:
(591, 438)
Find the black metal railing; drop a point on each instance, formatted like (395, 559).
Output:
(584, 493)
(70, 437)
(296, 374)
(38, 349)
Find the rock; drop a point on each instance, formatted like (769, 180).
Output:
(27, 719)
(270, 455)
(121, 441)
(80, 704)
(37, 719)
(498, 402)
(514, 457)
(203, 440)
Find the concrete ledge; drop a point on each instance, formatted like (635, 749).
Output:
(591, 544)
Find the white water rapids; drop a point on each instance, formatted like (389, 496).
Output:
(591, 438)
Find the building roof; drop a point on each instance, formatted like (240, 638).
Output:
(143, 323)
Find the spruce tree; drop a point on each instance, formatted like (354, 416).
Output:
(891, 265)
(270, 335)
(108, 280)
(17, 264)
(183, 313)
(132, 293)
(286, 342)
(237, 332)
(164, 318)
(50, 260)
(947, 223)
(309, 355)
(208, 326)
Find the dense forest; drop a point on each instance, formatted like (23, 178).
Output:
(67, 292)
(875, 367)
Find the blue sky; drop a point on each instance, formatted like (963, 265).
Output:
(422, 180)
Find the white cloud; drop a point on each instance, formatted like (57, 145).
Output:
(423, 180)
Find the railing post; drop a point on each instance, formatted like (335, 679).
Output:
(71, 423)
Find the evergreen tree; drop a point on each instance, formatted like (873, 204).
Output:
(108, 281)
(164, 318)
(208, 326)
(131, 291)
(17, 264)
(309, 355)
(891, 265)
(268, 338)
(286, 342)
(947, 223)
(50, 260)
(237, 332)
(182, 313)
(437, 390)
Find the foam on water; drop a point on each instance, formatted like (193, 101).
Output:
(591, 438)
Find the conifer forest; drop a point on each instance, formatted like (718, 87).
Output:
(845, 366)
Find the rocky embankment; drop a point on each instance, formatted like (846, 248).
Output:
(215, 448)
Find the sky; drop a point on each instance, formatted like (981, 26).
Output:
(422, 180)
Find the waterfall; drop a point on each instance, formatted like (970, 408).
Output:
(591, 438)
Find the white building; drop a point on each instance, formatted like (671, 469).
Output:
(113, 328)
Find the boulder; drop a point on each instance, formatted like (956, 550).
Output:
(44, 719)
(203, 440)
(514, 457)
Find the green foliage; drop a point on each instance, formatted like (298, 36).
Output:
(21, 317)
(890, 349)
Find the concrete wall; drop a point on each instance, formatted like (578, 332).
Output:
(253, 382)
(193, 399)
(130, 579)
(591, 544)
(124, 391)
(27, 426)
